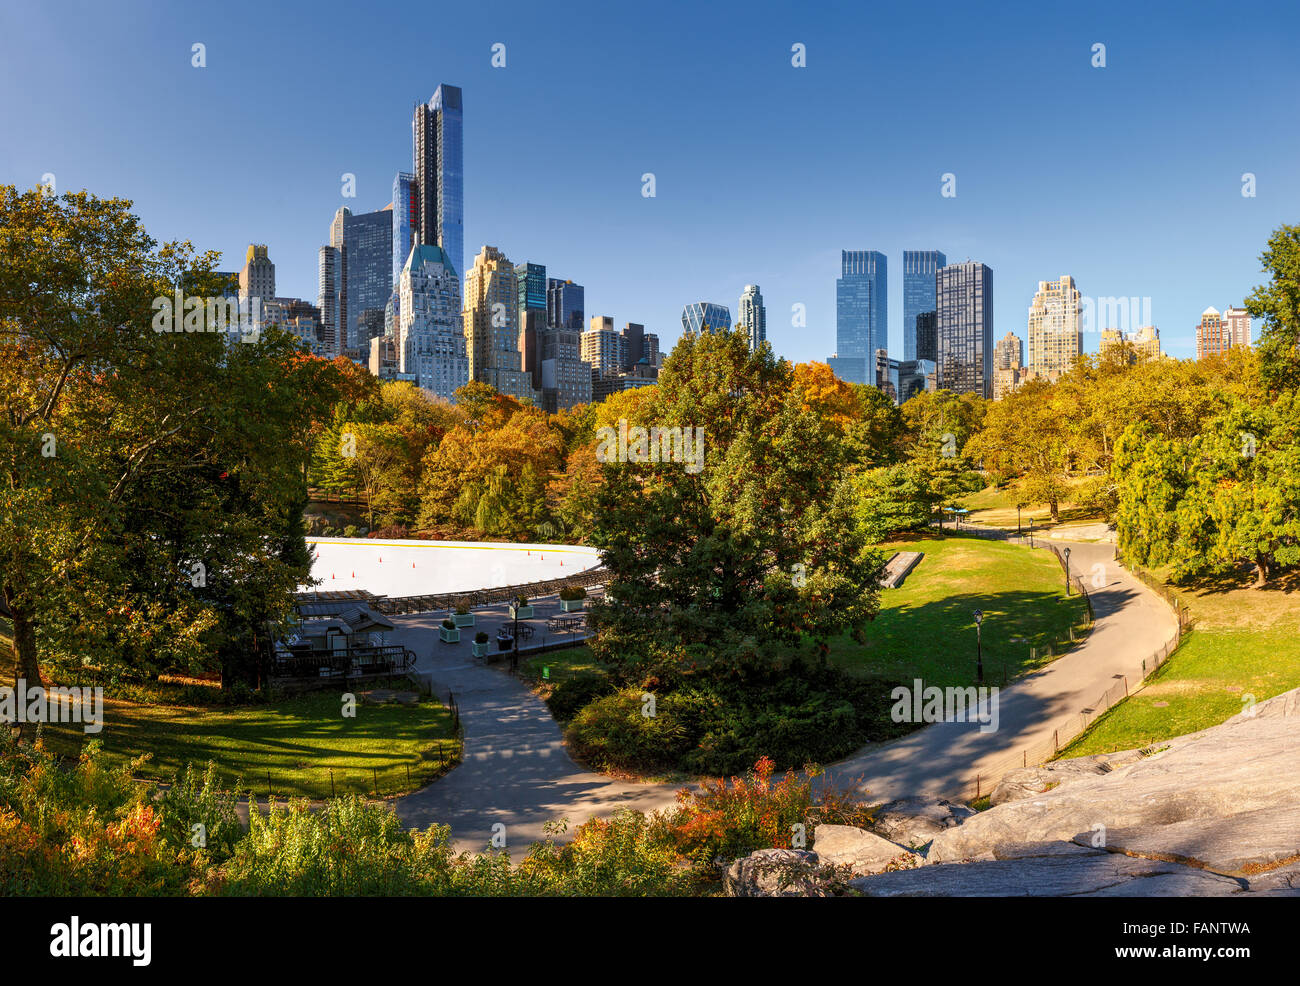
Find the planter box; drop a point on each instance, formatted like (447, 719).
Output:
(463, 619)
(569, 605)
(448, 636)
(521, 612)
(480, 650)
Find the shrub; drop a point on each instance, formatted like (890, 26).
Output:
(571, 592)
(390, 531)
(462, 608)
(350, 531)
(623, 856)
(613, 732)
(569, 695)
(481, 637)
(449, 623)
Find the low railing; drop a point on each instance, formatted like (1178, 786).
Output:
(358, 662)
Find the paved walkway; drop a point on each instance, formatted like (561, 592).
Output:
(517, 773)
(1132, 622)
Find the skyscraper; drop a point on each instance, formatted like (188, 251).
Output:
(406, 206)
(861, 307)
(437, 143)
(329, 297)
(919, 267)
(1055, 326)
(705, 316)
(1236, 324)
(964, 328)
(430, 338)
(531, 279)
(1008, 353)
(491, 325)
(603, 348)
(752, 315)
(565, 304)
(368, 279)
(257, 278)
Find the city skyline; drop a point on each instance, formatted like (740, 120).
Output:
(1132, 235)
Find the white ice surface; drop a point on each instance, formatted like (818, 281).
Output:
(417, 568)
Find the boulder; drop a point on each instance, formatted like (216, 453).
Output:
(1247, 764)
(859, 850)
(1069, 873)
(1029, 782)
(915, 821)
(779, 873)
(1239, 844)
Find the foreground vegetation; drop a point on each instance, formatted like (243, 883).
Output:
(92, 831)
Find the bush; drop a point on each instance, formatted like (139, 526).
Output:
(568, 696)
(449, 623)
(397, 531)
(481, 637)
(350, 531)
(720, 723)
(613, 733)
(572, 592)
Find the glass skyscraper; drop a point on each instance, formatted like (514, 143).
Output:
(565, 304)
(430, 337)
(438, 149)
(964, 328)
(406, 206)
(861, 306)
(919, 268)
(532, 287)
(705, 316)
(368, 251)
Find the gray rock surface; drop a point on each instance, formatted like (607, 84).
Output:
(1029, 782)
(915, 821)
(861, 851)
(1247, 764)
(1239, 844)
(779, 873)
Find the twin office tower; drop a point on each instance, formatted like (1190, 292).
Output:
(947, 318)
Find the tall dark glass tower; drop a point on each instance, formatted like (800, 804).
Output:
(565, 305)
(439, 151)
(368, 250)
(964, 328)
(919, 267)
(861, 306)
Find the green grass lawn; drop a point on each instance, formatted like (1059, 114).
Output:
(993, 507)
(926, 628)
(298, 740)
(1244, 643)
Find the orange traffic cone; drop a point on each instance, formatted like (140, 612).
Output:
(354, 575)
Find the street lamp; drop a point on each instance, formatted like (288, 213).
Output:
(1067, 571)
(979, 648)
(1017, 520)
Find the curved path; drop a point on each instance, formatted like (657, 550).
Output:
(942, 760)
(516, 771)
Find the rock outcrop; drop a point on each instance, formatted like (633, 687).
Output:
(913, 822)
(859, 850)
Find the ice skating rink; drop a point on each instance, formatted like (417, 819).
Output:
(417, 568)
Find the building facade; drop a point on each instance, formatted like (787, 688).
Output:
(491, 325)
(705, 316)
(329, 297)
(1008, 354)
(430, 343)
(1055, 326)
(919, 268)
(1236, 322)
(438, 149)
(964, 328)
(752, 316)
(368, 278)
(257, 278)
(565, 305)
(861, 306)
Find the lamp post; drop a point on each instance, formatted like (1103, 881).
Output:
(1067, 571)
(514, 655)
(979, 649)
(1017, 520)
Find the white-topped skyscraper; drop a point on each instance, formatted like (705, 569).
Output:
(752, 316)
(438, 149)
(430, 339)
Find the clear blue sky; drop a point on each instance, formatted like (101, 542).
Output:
(1127, 177)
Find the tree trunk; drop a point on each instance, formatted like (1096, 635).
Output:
(1056, 510)
(1261, 571)
(27, 668)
